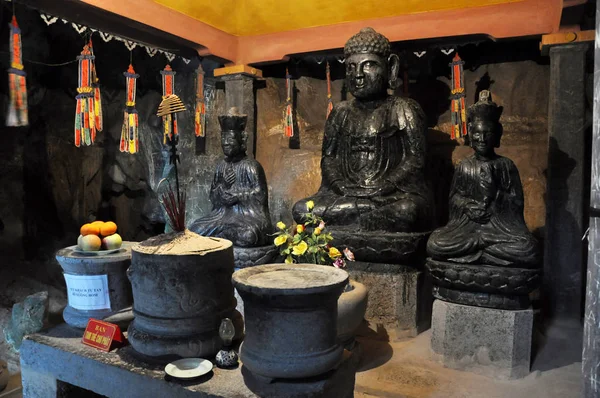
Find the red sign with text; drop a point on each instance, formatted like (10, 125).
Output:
(102, 335)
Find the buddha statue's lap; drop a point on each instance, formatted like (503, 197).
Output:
(374, 147)
(238, 193)
(485, 255)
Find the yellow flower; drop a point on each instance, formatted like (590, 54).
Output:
(310, 204)
(334, 253)
(300, 228)
(281, 225)
(289, 260)
(317, 231)
(300, 248)
(280, 240)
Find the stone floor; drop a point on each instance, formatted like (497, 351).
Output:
(403, 369)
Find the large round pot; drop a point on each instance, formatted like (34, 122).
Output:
(97, 285)
(181, 292)
(291, 318)
(352, 306)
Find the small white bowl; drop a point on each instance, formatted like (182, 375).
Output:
(188, 368)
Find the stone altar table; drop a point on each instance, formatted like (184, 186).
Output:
(57, 356)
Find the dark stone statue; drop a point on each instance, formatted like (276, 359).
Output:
(239, 195)
(485, 255)
(374, 148)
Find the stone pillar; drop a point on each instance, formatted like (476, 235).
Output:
(563, 259)
(239, 93)
(591, 332)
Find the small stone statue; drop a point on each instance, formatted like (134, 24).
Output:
(485, 255)
(374, 147)
(226, 357)
(238, 192)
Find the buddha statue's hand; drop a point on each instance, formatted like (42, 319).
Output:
(341, 189)
(229, 198)
(477, 212)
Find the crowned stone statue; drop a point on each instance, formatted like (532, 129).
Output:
(485, 255)
(374, 193)
(239, 195)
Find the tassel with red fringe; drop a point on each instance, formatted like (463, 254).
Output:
(458, 109)
(288, 119)
(129, 133)
(17, 108)
(97, 97)
(329, 100)
(85, 124)
(169, 121)
(200, 111)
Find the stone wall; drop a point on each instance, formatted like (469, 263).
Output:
(50, 187)
(521, 87)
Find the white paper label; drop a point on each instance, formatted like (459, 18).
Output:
(88, 292)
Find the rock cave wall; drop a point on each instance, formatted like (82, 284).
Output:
(50, 187)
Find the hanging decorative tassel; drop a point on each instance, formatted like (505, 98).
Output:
(459, 117)
(329, 100)
(85, 126)
(129, 134)
(97, 97)
(17, 108)
(288, 120)
(169, 121)
(200, 113)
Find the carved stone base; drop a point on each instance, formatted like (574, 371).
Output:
(250, 256)
(399, 297)
(382, 247)
(483, 285)
(492, 342)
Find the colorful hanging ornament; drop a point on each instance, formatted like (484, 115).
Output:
(459, 117)
(97, 97)
(200, 112)
(288, 120)
(129, 134)
(170, 120)
(85, 126)
(17, 109)
(329, 100)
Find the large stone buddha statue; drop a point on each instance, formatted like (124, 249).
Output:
(373, 155)
(485, 255)
(239, 195)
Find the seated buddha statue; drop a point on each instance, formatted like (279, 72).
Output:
(239, 195)
(374, 147)
(486, 232)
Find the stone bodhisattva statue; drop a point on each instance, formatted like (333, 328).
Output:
(239, 195)
(485, 255)
(373, 158)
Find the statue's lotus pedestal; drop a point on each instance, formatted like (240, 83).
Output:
(181, 291)
(487, 341)
(291, 319)
(483, 285)
(390, 266)
(97, 286)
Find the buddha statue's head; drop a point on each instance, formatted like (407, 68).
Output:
(370, 67)
(233, 134)
(483, 125)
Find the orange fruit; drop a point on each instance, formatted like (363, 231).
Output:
(89, 229)
(98, 223)
(108, 228)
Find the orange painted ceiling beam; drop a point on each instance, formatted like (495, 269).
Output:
(515, 19)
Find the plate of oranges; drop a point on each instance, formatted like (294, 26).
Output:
(98, 238)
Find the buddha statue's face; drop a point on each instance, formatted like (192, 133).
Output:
(483, 135)
(367, 76)
(231, 142)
